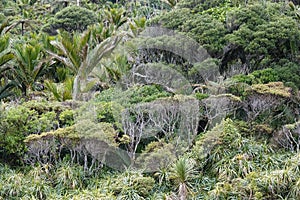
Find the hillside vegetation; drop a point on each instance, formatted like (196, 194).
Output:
(149, 99)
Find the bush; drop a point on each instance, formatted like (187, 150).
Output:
(19, 121)
(204, 29)
(133, 95)
(264, 33)
(66, 118)
(132, 185)
(72, 18)
(288, 72)
(258, 77)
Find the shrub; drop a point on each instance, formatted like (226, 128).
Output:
(71, 18)
(133, 95)
(258, 77)
(19, 121)
(132, 185)
(67, 118)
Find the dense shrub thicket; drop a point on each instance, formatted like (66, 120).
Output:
(95, 104)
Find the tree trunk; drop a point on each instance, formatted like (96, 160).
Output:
(22, 29)
(76, 88)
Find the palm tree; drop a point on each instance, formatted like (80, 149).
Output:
(61, 91)
(26, 18)
(23, 22)
(5, 51)
(115, 16)
(76, 54)
(295, 9)
(4, 24)
(29, 66)
(137, 26)
(5, 57)
(182, 172)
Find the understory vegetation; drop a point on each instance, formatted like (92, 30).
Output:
(154, 99)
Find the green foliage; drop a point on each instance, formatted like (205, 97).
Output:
(132, 185)
(5, 57)
(30, 66)
(200, 5)
(206, 143)
(258, 77)
(137, 25)
(67, 118)
(288, 74)
(264, 32)
(103, 132)
(206, 30)
(157, 155)
(71, 19)
(203, 71)
(171, 3)
(100, 112)
(70, 47)
(14, 125)
(133, 95)
(19, 121)
(5, 90)
(201, 96)
(287, 137)
(231, 154)
(115, 16)
(173, 19)
(182, 173)
(5, 54)
(68, 176)
(274, 88)
(109, 112)
(81, 59)
(61, 92)
(18, 185)
(113, 70)
(219, 12)
(60, 152)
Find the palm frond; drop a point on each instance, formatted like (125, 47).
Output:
(5, 91)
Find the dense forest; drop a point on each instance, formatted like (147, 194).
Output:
(149, 99)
